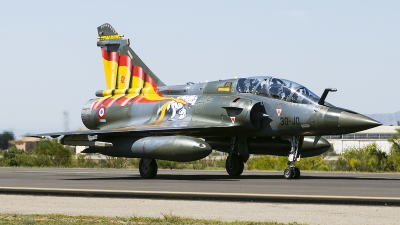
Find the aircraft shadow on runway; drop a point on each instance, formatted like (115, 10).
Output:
(188, 177)
(210, 177)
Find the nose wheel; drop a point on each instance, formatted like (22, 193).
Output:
(293, 172)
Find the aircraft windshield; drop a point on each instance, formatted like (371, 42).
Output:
(304, 96)
(247, 85)
(281, 89)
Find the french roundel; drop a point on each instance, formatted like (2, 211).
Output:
(102, 112)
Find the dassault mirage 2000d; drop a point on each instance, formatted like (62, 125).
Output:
(138, 116)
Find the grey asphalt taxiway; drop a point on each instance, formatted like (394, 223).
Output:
(360, 198)
(312, 187)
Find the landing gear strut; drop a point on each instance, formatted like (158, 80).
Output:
(234, 164)
(148, 168)
(293, 172)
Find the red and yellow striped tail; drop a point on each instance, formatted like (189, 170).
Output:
(127, 77)
(110, 63)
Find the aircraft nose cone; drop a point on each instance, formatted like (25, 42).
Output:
(353, 122)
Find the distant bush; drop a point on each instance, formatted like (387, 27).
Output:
(279, 163)
(10, 157)
(113, 162)
(394, 159)
(267, 162)
(27, 160)
(395, 141)
(85, 161)
(316, 163)
(50, 153)
(367, 159)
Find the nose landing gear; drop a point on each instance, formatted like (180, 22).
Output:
(293, 172)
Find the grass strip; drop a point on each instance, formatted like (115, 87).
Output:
(58, 219)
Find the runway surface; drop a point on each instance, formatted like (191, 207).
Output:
(343, 188)
(220, 210)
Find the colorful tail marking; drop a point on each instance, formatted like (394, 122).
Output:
(127, 77)
(110, 63)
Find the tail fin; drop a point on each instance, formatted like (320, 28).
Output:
(124, 71)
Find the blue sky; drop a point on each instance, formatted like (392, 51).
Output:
(50, 62)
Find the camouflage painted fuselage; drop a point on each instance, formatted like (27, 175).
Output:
(190, 109)
(137, 115)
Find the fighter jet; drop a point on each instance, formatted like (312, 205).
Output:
(138, 116)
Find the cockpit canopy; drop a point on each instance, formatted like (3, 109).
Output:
(277, 88)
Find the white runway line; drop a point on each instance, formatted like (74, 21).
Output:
(226, 211)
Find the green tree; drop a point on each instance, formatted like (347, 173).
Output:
(52, 153)
(394, 157)
(114, 162)
(366, 159)
(11, 156)
(267, 162)
(395, 140)
(313, 163)
(27, 160)
(379, 159)
(85, 161)
(5, 137)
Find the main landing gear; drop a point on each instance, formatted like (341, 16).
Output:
(234, 165)
(293, 172)
(148, 168)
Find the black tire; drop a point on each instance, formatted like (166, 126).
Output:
(296, 173)
(288, 173)
(148, 172)
(234, 165)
